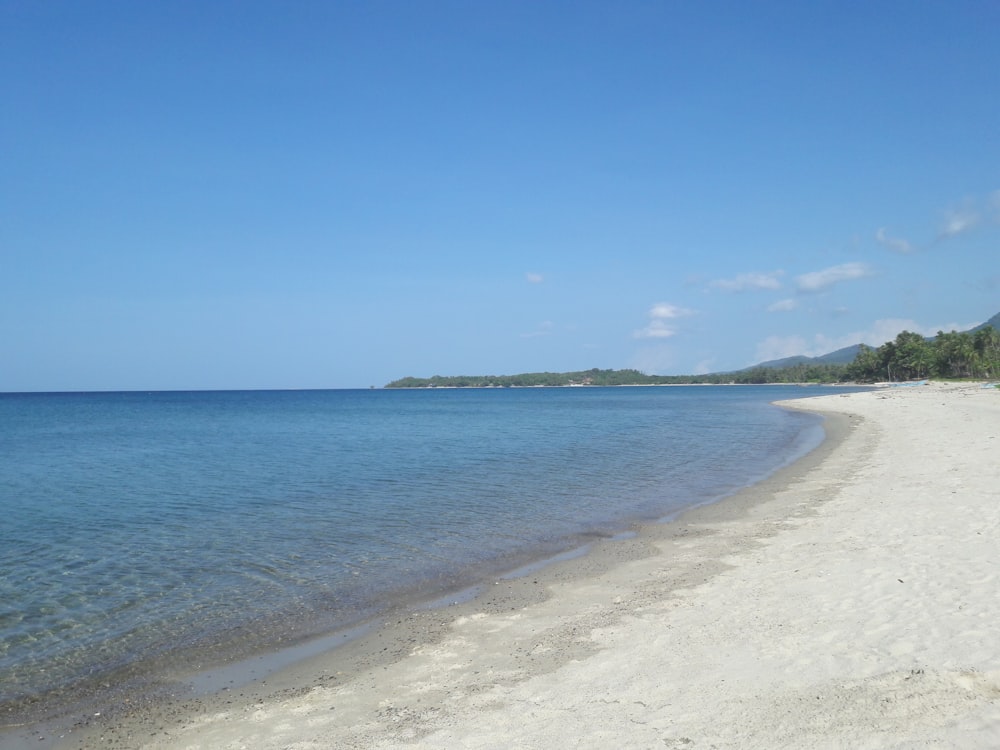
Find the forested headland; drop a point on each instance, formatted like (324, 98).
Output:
(971, 354)
(948, 355)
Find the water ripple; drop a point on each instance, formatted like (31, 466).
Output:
(135, 523)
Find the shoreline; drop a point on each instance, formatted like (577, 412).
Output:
(79, 708)
(778, 617)
(803, 384)
(376, 645)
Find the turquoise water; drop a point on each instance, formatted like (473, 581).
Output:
(141, 527)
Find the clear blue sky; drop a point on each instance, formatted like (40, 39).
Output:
(338, 194)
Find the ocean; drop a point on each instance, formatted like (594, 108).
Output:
(181, 528)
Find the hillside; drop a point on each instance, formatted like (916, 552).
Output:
(848, 354)
(840, 357)
(994, 321)
(840, 365)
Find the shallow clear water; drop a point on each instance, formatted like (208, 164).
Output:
(139, 525)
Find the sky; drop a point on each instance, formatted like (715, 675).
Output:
(216, 195)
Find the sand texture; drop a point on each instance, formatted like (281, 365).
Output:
(851, 602)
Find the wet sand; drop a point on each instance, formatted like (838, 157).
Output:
(851, 600)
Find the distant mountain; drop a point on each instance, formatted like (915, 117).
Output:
(840, 357)
(994, 321)
(827, 368)
(848, 353)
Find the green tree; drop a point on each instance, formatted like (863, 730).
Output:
(986, 344)
(955, 354)
(864, 368)
(914, 357)
(888, 368)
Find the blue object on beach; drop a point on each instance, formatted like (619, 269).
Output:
(906, 385)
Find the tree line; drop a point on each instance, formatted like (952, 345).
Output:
(800, 373)
(531, 379)
(970, 354)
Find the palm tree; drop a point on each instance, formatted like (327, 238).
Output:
(913, 355)
(986, 344)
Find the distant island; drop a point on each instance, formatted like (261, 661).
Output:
(968, 354)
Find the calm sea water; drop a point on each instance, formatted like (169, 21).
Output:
(141, 527)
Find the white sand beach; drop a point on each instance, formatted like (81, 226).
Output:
(851, 601)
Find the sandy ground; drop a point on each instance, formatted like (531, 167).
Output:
(852, 601)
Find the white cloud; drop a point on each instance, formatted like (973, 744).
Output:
(879, 332)
(784, 305)
(896, 244)
(972, 213)
(884, 330)
(887, 329)
(534, 278)
(959, 222)
(656, 329)
(744, 281)
(658, 314)
(968, 215)
(666, 311)
(820, 280)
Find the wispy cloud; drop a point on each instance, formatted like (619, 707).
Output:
(534, 278)
(970, 215)
(659, 314)
(959, 222)
(879, 332)
(666, 311)
(964, 217)
(544, 329)
(784, 305)
(656, 329)
(817, 281)
(896, 244)
(749, 281)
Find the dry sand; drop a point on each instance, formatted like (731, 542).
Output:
(852, 601)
